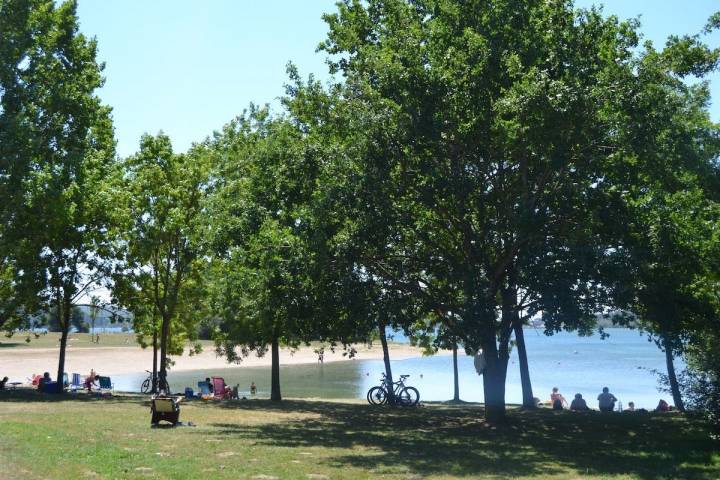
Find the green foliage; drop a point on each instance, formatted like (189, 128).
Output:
(56, 149)
(475, 137)
(77, 320)
(261, 229)
(160, 275)
(7, 292)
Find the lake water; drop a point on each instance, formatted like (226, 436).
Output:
(574, 364)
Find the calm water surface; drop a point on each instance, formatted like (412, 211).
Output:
(574, 364)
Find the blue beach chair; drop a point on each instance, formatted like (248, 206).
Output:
(204, 389)
(105, 384)
(76, 383)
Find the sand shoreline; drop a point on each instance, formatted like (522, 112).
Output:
(19, 364)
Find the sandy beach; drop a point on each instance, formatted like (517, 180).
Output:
(20, 363)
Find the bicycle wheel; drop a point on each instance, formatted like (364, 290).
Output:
(145, 387)
(408, 397)
(376, 396)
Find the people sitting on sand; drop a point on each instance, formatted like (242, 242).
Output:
(631, 407)
(3, 382)
(557, 401)
(662, 406)
(45, 379)
(579, 403)
(90, 382)
(606, 400)
(253, 388)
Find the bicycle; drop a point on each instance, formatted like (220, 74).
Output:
(403, 395)
(146, 386)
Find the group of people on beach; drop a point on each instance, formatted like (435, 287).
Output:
(606, 402)
(230, 392)
(39, 381)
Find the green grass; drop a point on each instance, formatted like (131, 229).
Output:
(81, 340)
(86, 437)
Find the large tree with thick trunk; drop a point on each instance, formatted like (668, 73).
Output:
(475, 135)
(56, 153)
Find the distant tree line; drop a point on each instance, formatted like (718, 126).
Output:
(470, 167)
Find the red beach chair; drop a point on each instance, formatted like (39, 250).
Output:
(220, 390)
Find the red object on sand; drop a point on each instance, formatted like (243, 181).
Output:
(220, 389)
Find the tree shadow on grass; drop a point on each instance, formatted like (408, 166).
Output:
(456, 441)
(35, 396)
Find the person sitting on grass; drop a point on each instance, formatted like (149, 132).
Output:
(3, 382)
(662, 406)
(606, 400)
(579, 403)
(45, 379)
(557, 400)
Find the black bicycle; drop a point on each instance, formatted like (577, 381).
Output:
(403, 395)
(146, 386)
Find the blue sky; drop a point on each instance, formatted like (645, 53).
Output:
(187, 67)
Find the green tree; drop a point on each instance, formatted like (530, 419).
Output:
(670, 154)
(6, 293)
(475, 134)
(77, 320)
(57, 148)
(160, 276)
(263, 232)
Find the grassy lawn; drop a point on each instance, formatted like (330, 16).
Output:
(81, 340)
(86, 437)
(52, 340)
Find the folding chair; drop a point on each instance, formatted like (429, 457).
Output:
(165, 409)
(77, 383)
(204, 389)
(219, 388)
(105, 384)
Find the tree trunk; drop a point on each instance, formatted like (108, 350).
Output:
(164, 337)
(494, 391)
(672, 377)
(528, 400)
(155, 361)
(275, 372)
(64, 318)
(386, 359)
(456, 392)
